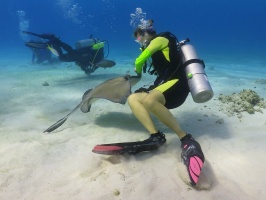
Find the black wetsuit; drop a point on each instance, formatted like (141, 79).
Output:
(86, 57)
(167, 64)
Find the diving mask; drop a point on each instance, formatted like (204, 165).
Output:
(141, 42)
(138, 40)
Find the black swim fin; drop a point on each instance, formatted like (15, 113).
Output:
(47, 36)
(152, 143)
(36, 45)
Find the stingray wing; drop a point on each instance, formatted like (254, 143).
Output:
(116, 90)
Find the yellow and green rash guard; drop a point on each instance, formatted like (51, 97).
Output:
(157, 44)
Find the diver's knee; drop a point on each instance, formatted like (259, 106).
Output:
(132, 98)
(148, 103)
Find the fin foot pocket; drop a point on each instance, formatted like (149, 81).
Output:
(193, 157)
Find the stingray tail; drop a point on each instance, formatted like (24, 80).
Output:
(61, 121)
(56, 125)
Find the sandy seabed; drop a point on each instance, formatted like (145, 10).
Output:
(60, 165)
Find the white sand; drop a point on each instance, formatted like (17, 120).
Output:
(60, 165)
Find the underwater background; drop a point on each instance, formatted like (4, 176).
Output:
(229, 35)
(230, 31)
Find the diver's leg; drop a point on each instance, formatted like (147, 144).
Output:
(154, 102)
(142, 103)
(135, 102)
(70, 56)
(36, 45)
(66, 47)
(67, 57)
(192, 155)
(43, 36)
(58, 46)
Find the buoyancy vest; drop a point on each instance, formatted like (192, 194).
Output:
(168, 70)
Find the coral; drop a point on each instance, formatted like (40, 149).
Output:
(246, 100)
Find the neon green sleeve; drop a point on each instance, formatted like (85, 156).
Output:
(141, 60)
(159, 43)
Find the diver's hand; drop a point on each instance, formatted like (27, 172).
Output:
(142, 89)
(138, 74)
(134, 79)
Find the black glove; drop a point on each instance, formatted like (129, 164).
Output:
(142, 89)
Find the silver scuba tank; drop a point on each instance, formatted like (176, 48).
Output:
(198, 83)
(86, 43)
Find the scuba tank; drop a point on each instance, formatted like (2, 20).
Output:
(94, 43)
(198, 83)
(86, 43)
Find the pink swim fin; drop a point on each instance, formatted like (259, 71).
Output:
(193, 157)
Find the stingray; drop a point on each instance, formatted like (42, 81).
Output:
(116, 90)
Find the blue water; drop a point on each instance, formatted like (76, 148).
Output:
(233, 30)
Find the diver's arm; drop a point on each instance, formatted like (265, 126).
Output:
(141, 60)
(156, 44)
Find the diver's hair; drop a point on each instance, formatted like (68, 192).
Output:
(138, 31)
(151, 22)
(150, 30)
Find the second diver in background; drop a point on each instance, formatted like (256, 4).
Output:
(88, 54)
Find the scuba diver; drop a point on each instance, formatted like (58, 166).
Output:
(169, 90)
(89, 53)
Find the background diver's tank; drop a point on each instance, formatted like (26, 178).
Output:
(86, 43)
(199, 85)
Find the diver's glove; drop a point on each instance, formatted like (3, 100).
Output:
(138, 75)
(193, 157)
(142, 89)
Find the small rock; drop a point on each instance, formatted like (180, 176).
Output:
(219, 121)
(116, 192)
(45, 83)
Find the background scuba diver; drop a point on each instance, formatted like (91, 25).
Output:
(169, 91)
(89, 54)
(42, 56)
